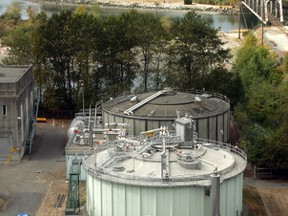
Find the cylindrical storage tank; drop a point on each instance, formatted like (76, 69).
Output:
(128, 180)
(75, 124)
(146, 111)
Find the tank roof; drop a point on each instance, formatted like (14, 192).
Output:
(134, 162)
(157, 105)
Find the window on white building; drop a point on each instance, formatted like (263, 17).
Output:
(4, 110)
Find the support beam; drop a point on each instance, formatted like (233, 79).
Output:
(257, 15)
(256, 7)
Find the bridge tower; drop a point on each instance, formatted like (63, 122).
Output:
(265, 10)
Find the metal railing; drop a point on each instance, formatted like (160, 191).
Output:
(204, 92)
(104, 173)
(146, 100)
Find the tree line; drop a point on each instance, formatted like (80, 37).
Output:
(75, 51)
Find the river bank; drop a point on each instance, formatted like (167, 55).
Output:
(146, 4)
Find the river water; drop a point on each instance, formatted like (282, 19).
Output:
(220, 21)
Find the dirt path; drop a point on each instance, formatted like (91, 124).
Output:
(275, 200)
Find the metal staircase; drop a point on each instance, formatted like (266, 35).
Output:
(73, 198)
(32, 129)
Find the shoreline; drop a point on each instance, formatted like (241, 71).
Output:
(149, 5)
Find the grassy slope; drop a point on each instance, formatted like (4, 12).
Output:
(253, 202)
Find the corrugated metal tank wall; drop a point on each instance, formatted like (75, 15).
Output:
(209, 127)
(231, 192)
(111, 199)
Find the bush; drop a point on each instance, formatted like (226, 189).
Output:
(187, 2)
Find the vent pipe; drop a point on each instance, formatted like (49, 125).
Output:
(215, 194)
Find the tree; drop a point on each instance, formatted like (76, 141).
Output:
(225, 82)
(160, 49)
(262, 116)
(150, 36)
(115, 54)
(67, 43)
(18, 41)
(196, 50)
(12, 13)
(9, 19)
(254, 62)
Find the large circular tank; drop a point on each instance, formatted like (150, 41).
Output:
(146, 111)
(161, 178)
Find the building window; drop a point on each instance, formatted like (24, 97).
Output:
(4, 110)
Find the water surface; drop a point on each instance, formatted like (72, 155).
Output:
(220, 21)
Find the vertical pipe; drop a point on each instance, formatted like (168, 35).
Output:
(281, 10)
(95, 159)
(239, 13)
(57, 205)
(265, 5)
(95, 116)
(89, 118)
(90, 135)
(83, 99)
(215, 194)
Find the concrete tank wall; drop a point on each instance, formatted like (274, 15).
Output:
(106, 198)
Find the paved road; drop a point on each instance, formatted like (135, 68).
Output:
(265, 183)
(24, 185)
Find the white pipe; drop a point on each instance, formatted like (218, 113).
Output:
(95, 116)
(89, 116)
(210, 163)
(215, 194)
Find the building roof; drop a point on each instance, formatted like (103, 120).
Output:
(11, 74)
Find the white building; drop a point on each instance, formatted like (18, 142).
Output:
(16, 111)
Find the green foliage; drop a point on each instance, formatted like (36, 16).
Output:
(94, 10)
(20, 51)
(196, 50)
(115, 54)
(187, 2)
(67, 41)
(75, 50)
(253, 63)
(262, 116)
(12, 13)
(217, 2)
(9, 20)
(229, 84)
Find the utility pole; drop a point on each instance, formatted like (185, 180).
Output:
(262, 26)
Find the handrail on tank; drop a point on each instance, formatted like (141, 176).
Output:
(214, 94)
(232, 148)
(181, 178)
